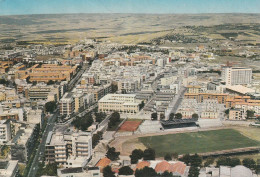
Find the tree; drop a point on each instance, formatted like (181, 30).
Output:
(114, 88)
(136, 155)
(162, 116)
(154, 116)
(195, 116)
(149, 154)
(194, 171)
(250, 114)
(178, 116)
(96, 138)
(249, 163)
(226, 161)
(50, 106)
(141, 105)
(107, 172)
(115, 117)
(126, 170)
(167, 174)
(171, 117)
(3, 81)
(167, 157)
(227, 111)
(112, 154)
(196, 160)
(50, 82)
(145, 172)
(208, 162)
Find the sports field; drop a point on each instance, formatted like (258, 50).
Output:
(130, 125)
(198, 142)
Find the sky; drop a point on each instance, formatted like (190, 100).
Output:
(19, 7)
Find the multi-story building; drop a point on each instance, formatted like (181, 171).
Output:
(43, 92)
(47, 72)
(123, 103)
(5, 131)
(200, 97)
(67, 104)
(236, 114)
(236, 75)
(70, 149)
(9, 168)
(23, 142)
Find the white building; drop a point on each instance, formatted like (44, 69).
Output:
(122, 103)
(5, 131)
(67, 104)
(236, 75)
(9, 168)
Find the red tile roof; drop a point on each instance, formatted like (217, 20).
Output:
(142, 164)
(103, 162)
(162, 167)
(178, 167)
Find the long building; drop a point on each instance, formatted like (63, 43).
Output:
(236, 75)
(122, 103)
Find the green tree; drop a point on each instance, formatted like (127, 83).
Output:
(126, 170)
(107, 172)
(154, 116)
(195, 116)
(162, 116)
(115, 117)
(145, 172)
(50, 82)
(167, 174)
(171, 117)
(167, 157)
(50, 106)
(250, 114)
(96, 138)
(136, 155)
(196, 160)
(208, 162)
(3, 81)
(178, 116)
(112, 154)
(194, 171)
(249, 163)
(141, 105)
(149, 154)
(114, 88)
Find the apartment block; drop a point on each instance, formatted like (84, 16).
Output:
(70, 149)
(67, 104)
(9, 168)
(5, 131)
(123, 103)
(236, 75)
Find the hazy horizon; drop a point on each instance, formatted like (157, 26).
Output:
(31, 7)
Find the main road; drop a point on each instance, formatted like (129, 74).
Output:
(39, 156)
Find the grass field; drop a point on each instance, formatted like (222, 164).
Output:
(199, 142)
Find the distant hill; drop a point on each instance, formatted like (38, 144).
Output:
(69, 27)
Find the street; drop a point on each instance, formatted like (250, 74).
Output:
(39, 156)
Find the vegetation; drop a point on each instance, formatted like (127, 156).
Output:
(126, 170)
(49, 170)
(114, 121)
(178, 116)
(249, 163)
(195, 116)
(50, 106)
(171, 117)
(141, 105)
(149, 154)
(168, 157)
(83, 123)
(100, 116)
(145, 172)
(136, 155)
(112, 154)
(199, 142)
(107, 172)
(50, 82)
(227, 161)
(250, 114)
(96, 138)
(154, 116)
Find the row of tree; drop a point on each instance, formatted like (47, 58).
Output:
(83, 123)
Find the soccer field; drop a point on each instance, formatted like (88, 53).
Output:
(199, 142)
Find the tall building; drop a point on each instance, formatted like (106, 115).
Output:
(70, 149)
(5, 131)
(67, 104)
(236, 75)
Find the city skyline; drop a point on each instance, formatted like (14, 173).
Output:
(24, 7)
